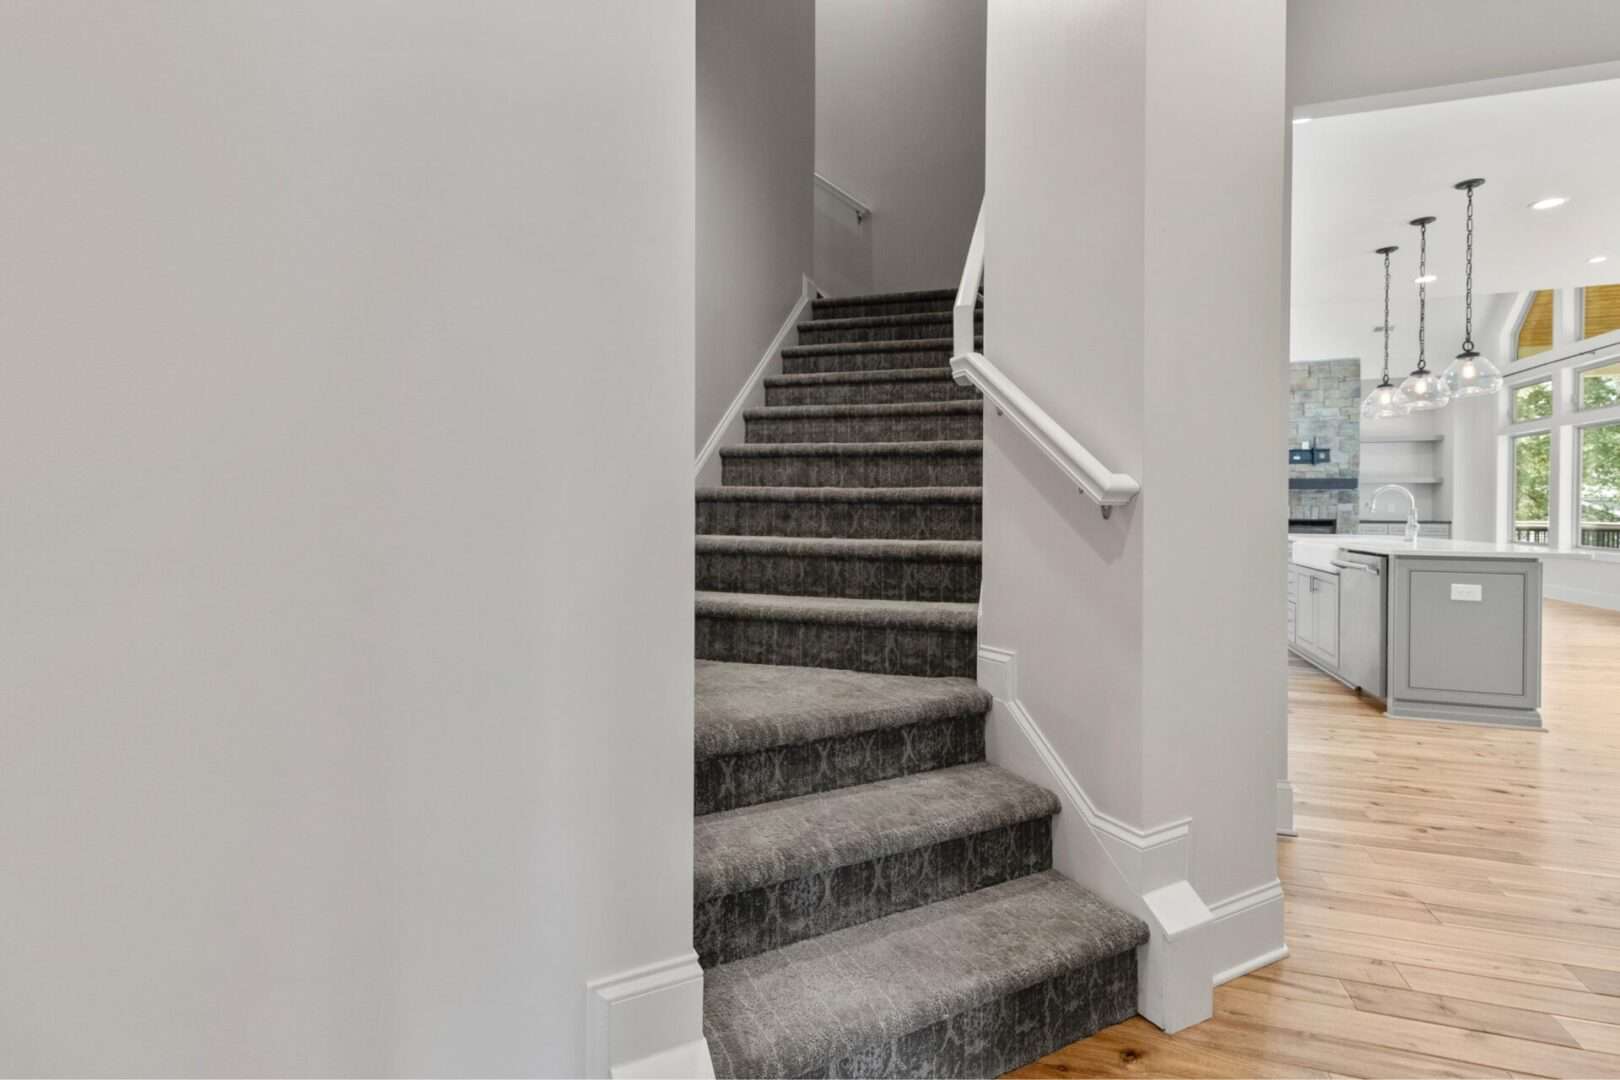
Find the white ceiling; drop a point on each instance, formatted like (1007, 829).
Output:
(1360, 178)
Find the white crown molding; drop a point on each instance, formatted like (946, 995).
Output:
(648, 1021)
(706, 469)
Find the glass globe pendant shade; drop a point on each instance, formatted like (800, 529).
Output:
(1381, 403)
(1472, 375)
(1422, 391)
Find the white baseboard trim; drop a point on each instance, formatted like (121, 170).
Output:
(1253, 964)
(706, 469)
(1285, 809)
(1194, 946)
(648, 1021)
(1150, 858)
(1590, 597)
(1143, 871)
(1247, 932)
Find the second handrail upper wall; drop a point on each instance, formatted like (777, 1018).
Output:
(1105, 487)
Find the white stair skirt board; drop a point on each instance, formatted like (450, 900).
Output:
(730, 430)
(1193, 945)
(1285, 809)
(648, 1022)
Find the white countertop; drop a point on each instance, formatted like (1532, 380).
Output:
(1318, 549)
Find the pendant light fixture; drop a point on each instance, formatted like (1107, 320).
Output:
(1423, 390)
(1470, 375)
(1380, 404)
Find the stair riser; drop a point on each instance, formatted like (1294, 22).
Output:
(888, 650)
(870, 393)
(866, 360)
(853, 310)
(947, 580)
(865, 521)
(854, 470)
(1000, 1035)
(933, 328)
(737, 925)
(919, 428)
(785, 772)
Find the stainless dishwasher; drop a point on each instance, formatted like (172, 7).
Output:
(1363, 651)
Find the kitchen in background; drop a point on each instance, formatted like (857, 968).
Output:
(1324, 446)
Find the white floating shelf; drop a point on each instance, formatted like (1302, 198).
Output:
(1403, 480)
(1365, 439)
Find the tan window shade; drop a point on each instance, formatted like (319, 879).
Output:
(1536, 332)
(1602, 307)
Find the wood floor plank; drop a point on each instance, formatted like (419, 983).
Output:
(1452, 901)
(1308, 961)
(1287, 981)
(1594, 1036)
(1317, 1049)
(1599, 981)
(1137, 1048)
(1460, 1013)
(1582, 1004)
(1417, 1036)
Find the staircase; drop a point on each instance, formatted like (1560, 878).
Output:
(872, 898)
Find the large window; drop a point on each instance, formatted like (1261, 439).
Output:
(1533, 402)
(1532, 471)
(1599, 387)
(1536, 332)
(1558, 440)
(1600, 486)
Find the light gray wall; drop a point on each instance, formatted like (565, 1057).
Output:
(1339, 49)
(899, 125)
(1135, 636)
(756, 133)
(346, 648)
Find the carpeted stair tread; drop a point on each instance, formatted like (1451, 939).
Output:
(897, 410)
(910, 614)
(838, 378)
(742, 708)
(947, 297)
(836, 348)
(877, 512)
(801, 1008)
(874, 322)
(795, 838)
(810, 547)
(841, 494)
(931, 448)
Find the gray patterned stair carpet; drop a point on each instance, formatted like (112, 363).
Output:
(871, 897)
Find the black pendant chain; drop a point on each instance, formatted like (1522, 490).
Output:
(1386, 252)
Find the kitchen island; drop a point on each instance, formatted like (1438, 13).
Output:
(1439, 629)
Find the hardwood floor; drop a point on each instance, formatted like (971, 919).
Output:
(1453, 895)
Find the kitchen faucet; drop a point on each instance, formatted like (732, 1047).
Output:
(1411, 508)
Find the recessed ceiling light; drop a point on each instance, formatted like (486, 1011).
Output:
(1426, 279)
(1549, 203)
(1594, 260)
(1301, 120)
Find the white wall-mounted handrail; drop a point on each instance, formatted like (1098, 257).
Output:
(967, 293)
(1105, 487)
(862, 211)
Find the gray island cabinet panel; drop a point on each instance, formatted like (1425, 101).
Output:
(1465, 640)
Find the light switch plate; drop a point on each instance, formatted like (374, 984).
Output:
(1471, 593)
